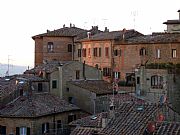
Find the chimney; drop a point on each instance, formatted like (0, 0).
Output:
(64, 26)
(88, 34)
(48, 31)
(106, 29)
(123, 33)
(70, 25)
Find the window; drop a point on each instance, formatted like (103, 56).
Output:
(107, 51)
(79, 52)
(40, 87)
(138, 80)
(116, 75)
(50, 47)
(84, 52)
(95, 52)
(67, 89)
(22, 131)
(99, 52)
(59, 126)
(158, 53)
(106, 72)
(54, 84)
(157, 81)
(174, 53)
(69, 48)
(142, 52)
(77, 74)
(115, 52)
(71, 117)
(89, 52)
(2, 130)
(45, 128)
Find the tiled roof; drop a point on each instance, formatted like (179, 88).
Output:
(37, 105)
(84, 131)
(113, 35)
(99, 87)
(130, 119)
(172, 22)
(66, 31)
(8, 84)
(155, 38)
(78, 33)
(167, 128)
(90, 121)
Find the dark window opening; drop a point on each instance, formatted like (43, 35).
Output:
(99, 52)
(138, 80)
(95, 52)
(71, 118)
(77, 74)
(2, 130)
(54, 84)
(116, 75)
(106, 71)
(40, 87)
(67, 89)
(142, 52)
(59, 125)
(157, 81)
(115, 52)
(79, 52)
(69, 48)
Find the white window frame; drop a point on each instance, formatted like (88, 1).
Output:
(174, 53)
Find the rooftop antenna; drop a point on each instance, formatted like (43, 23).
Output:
(8, 70)
(104, 21)
(134, 14)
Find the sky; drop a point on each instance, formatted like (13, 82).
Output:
(22, 19)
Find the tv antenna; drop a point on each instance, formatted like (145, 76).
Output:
(134, 14)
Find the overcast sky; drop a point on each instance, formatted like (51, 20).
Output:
(22, 19)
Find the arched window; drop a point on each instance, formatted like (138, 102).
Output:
(142, 51)
(157, 81)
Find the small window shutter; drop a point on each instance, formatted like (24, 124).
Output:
(17, 131)
(47, 125)
(43, 126)
(28, 131)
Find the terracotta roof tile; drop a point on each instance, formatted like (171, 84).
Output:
(99, 87)
(84, 131)
(113, 35)
(38, 104)
(155, 38)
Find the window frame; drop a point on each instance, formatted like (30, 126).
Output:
(54, 84)
(77, 74)
(79, 52)
(50, 47)
(156, 82)
(95, 52)
(106, 51)
(70, 47)
(174, 53)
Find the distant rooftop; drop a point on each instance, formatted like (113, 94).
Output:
(39, 104)
(100, 87)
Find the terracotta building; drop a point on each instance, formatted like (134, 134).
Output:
(39, 114)
(98, 50)
(124, 51)
(59, 44)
